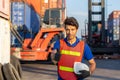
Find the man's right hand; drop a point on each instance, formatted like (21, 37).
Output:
(57, 55)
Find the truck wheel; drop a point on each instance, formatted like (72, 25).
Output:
(1, 73)
(16, 63)
(10, 72)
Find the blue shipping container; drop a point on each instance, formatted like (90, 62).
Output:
(17, 13)
(25, 16)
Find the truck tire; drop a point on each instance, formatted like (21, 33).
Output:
(16, 63)
(10, 72)
(1, 73)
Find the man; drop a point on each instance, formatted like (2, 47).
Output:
(72, 50)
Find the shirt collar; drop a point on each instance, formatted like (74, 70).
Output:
(74, 44)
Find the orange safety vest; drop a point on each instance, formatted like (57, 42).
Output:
(69, 55)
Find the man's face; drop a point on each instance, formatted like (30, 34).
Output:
(71, 32)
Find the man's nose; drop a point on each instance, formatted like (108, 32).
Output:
(70, 32)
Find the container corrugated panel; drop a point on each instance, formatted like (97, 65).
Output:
(26, 19)
(113, 25)
(5, 8)
(113, 22)
(57, 3)
(36, 4)
(4, 41)
(45, 4)
(52, 3)
(18, 13)
(61, 4)
(41, 5)
(24, 15)
(35, 22)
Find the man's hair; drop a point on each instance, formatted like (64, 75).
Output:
(71, 21)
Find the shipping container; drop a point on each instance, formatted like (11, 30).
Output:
(114, 14)
(32, 3)
(4, 9)
(4, 41)
(17, 13)
(113, 26)
(46, 4)
(41, 5)
(25, 16)
(26, 19)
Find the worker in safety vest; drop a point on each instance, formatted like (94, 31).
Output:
(70, 50)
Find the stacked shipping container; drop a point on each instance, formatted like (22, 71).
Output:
(42, 5)
(4, 33)
(26, 18)
(21, 13)
(113, 26)
(46, 4)
(24, 15)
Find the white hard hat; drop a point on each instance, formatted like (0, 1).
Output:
(78, 66)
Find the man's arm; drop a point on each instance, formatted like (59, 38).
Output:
(92, 65)
(53, 56)
(54, 51)
(89, 56)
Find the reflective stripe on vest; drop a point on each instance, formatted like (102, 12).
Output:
(73, 53)
(69, 69)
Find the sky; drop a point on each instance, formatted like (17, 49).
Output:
(79, 10)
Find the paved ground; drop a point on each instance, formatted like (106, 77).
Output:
(106, 70)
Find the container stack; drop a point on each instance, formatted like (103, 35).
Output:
(25, 20)
(113, 27)
(27, 16)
